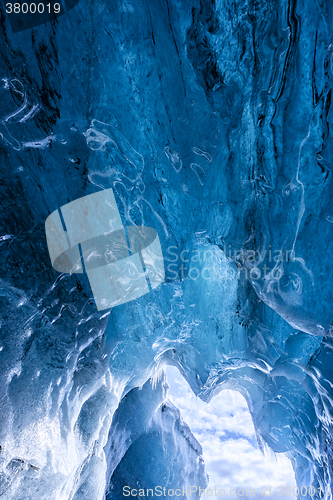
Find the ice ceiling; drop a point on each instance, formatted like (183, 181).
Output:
(211, 122)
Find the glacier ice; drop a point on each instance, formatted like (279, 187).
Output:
(150, 447)
(211, 122)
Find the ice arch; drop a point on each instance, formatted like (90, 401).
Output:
(225, 430)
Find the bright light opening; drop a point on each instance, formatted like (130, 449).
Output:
(225, 431)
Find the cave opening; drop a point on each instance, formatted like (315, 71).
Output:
(231, 453)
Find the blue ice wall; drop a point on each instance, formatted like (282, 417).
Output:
(211, 122)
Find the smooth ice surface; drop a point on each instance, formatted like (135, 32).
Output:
(211, 122)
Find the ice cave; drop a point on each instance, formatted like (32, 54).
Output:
(165, 202)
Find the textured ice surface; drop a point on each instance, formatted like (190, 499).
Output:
(211, 122)
(150, 447)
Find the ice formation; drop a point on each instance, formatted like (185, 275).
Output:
(210, 120)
